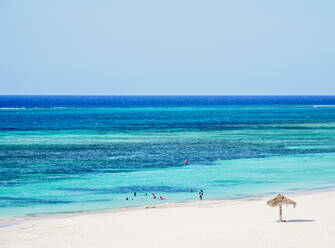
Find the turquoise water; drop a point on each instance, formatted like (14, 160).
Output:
(229, 179)
(77, 158)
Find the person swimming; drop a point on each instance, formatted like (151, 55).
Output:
(162, 198)
(153, 196)
(127, 198)
(134, 193)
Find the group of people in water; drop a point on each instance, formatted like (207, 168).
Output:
(153, 196)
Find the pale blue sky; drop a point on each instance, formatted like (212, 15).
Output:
(167, 47)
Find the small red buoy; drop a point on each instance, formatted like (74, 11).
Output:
(185, 162)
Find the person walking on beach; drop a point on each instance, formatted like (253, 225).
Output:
(201, 193)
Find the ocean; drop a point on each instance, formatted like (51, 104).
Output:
(80, 153)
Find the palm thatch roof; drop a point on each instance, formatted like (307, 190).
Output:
(280, 200)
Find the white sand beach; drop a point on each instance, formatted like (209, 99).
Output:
(236, 223)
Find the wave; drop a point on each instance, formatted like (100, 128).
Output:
(12, 108)
(323, 106)
(35, 108)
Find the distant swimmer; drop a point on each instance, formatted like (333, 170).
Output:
(185, 162)
(153, 196)
(191, 190)
(134, 193)
(162, 198)
(127, 198)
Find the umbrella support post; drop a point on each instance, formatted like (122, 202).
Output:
(280, 214)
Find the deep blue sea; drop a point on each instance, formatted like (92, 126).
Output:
(76, 153)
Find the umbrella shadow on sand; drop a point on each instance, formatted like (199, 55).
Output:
(300, 220)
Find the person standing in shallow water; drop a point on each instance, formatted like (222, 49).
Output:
(201, 193)
(134, 193)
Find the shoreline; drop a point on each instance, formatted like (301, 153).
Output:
(220, 223)
(6, 222)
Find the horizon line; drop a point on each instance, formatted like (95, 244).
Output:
(163, 95)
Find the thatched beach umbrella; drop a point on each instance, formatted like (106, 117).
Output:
(280, 200)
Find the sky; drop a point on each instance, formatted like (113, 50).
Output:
(108, 47)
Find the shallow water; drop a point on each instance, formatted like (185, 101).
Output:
(72, 154)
